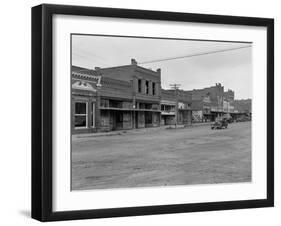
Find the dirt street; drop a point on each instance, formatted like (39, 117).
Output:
(196, 155)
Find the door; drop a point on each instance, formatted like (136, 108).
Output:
(119, 120)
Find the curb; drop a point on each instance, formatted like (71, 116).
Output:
(135, 131)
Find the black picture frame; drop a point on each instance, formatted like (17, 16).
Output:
(42, 111)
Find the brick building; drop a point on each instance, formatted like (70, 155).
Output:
(115, 98)
(201, 110)
(229, 95)
(228, 101)
(130, 96)
(207, 103)
(243, 106)
(212, 102)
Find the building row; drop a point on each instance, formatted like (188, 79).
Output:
(131, 97)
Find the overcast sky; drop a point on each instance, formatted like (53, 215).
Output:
(233, 69)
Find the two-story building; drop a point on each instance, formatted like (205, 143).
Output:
(145, 92)
(207, 103)
(176, 107)
(168, 107)
(115, 98)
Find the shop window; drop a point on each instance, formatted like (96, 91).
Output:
(80, 115)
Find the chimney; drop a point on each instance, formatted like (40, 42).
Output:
(134, 62)
(98, 70)
(159, 73)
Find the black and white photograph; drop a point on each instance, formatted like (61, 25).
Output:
(154, 112)
(149, 112)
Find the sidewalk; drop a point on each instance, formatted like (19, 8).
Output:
(135, 131)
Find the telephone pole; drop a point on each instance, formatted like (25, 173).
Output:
(175, 87)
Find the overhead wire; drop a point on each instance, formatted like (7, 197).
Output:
(185, 56)
(194, 55)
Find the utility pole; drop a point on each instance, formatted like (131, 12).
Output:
(175, 87)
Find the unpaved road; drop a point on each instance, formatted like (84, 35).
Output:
(196, 155)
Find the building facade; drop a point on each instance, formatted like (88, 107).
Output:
(207, 103)
(116, 98)
(212, 102)
(84, 100)
(131, 97)
(184, 99)
(168, 107)
(243, 106)
(176, 107)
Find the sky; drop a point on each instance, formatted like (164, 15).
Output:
(231, 66)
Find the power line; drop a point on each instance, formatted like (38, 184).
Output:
(194, 55)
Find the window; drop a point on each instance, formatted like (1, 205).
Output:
(148, 106)
(146, 87)
(155, 106)
(139, 85)
(80, 115)
(115, 104)
(104, 103)
(141, 106)
(153, 88)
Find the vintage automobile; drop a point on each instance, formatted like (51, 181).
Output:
(219, 124)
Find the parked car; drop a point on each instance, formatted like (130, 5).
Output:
(230, 120)
(243, 119)
(219, 124)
